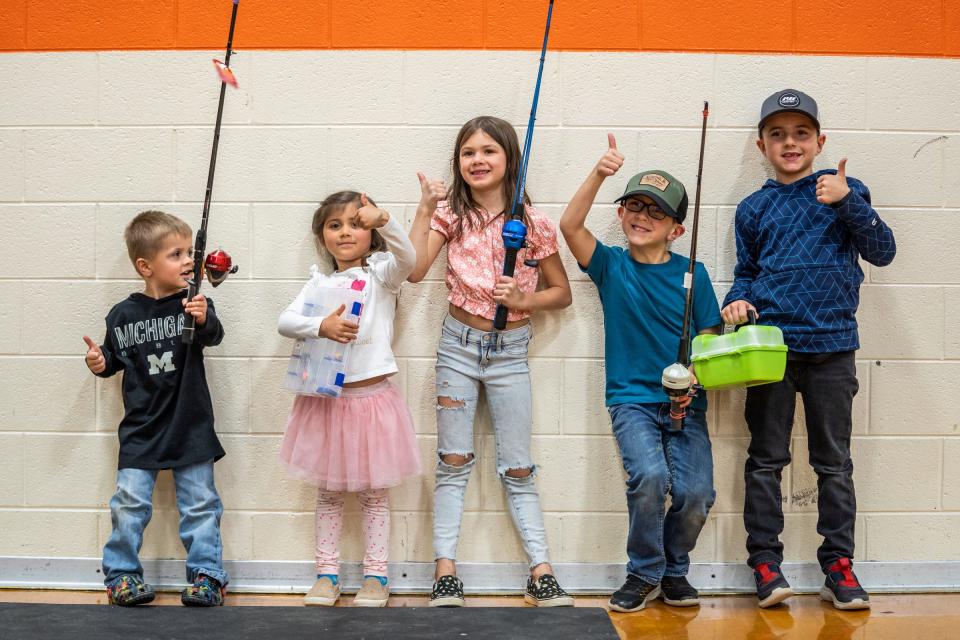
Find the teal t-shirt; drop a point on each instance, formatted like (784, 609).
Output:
(643, 319)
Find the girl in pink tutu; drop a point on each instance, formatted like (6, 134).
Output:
(362, 442)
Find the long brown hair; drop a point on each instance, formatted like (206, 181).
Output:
(332, 204)
(459, 197)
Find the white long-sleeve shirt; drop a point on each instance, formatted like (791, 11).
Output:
(372, 352)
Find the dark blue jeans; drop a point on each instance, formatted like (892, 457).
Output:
(827, 384)
(659, 461)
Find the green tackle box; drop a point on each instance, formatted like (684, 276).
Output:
(753, 354)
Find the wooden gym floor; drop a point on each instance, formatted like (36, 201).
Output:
(893, 617)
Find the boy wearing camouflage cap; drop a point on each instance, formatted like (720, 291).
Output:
(641, 291)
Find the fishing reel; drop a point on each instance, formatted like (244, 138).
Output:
(218, 265)
(514, 234)
(515, 237)
(678, 384)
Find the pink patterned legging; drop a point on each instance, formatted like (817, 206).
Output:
(375, 507)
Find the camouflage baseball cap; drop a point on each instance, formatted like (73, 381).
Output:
(662, 188)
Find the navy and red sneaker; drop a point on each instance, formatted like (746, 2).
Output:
(842, 587)
(772, 587)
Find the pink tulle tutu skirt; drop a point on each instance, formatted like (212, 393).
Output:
(362, 440)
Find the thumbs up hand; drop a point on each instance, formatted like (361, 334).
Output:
(369, 216)
(94, 358)
(611, 161)
(833, 188)
(431, 192)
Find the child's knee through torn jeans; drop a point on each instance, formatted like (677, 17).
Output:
(467, 358)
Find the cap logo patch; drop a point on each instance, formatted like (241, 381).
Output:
(789, 100)
(655, 180)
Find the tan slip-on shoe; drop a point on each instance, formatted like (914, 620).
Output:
(372, 594)
(323, 594)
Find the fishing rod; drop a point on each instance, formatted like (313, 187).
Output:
(218, 264)
(676, 380)
(514, 231)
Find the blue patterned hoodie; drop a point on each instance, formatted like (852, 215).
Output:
(797, 260)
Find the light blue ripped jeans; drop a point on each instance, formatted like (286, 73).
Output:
(467, 358)
(200, 510)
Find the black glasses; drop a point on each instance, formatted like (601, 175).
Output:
(652, 209)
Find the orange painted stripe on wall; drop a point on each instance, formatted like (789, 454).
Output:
(861, 27)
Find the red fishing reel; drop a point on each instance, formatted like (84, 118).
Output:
(218, 266)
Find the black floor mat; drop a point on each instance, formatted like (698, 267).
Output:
(79, 622)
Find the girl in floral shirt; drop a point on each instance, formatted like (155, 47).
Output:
(468, 218)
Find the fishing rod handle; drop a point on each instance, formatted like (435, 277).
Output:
(193, 285)
(677, 415)
(509, 265)
(500, 319)
(189, 323)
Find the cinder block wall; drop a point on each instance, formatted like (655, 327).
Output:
(88, 139)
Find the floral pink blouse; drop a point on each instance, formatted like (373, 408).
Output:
(475, 259)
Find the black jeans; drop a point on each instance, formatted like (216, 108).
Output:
(827, 383)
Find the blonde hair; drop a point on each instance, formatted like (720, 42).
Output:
(145, 233)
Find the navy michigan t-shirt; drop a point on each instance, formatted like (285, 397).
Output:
(168, 415)
(643, 318)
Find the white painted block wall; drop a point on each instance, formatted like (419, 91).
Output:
(89, 139)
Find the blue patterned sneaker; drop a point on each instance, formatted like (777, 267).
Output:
(842, 587)
(204, 592)
(129, 590)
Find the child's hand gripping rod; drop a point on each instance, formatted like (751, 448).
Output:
(200, 244)
(676, 380)
(514, 231)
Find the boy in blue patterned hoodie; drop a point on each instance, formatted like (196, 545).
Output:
(799, 239)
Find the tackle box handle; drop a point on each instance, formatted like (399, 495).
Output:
(751, 319)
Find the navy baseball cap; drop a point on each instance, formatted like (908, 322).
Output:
(789, 100)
